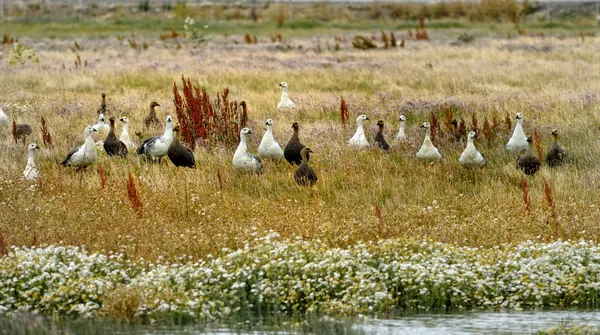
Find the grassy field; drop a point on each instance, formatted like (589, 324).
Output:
(552, 79)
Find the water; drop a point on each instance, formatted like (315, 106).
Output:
(524, 322)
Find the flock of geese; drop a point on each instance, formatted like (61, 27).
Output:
(168, 144)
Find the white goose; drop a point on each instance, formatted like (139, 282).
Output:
(158, 146)
(359, 140)
(401, 136)
(31, 172)
(269, 148)
(125, 134)
(428, 151)
(3, 119)
(518, 140)
(470, 156)
(244, 161)
(101, 125)
(84, 155)
(285, 101)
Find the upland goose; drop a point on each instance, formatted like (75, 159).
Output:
(285, 101)
(102, 107)
(556, 154)
(528, 161)
(244, 161)
(158, 146)
(269, 148)
(23, 130)
(84, 155)
(3, 119)
(470, 156)
(518, 140)
(304, 174)
(455, 133)
(293, 148)
(428, 151)
(359, 140)
(401, 136)
(125, 134)
(151, 120)
(112, 145)
(380, 139)
(101, 125)
(179, 154)
(31, 172)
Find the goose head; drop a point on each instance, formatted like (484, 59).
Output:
(380, 124)
(245, 131)
(426, 125)
(361, 117)
(283, 84)
(103, 95)
(295, 126)
(402, 118)
(89, 130)
(101, 118)
(305, 151)
(32, 147)
(472, 135)
(269, 122)
(529, 139)
(169, 120)
(154, 104)
(124, 119)
(519, 116)
(454, 122)
(555, 133)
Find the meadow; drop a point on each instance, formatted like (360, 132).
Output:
(380, 232)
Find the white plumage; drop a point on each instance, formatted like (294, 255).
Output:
(3, 119)
(244, 161)
(518, 140)
(31, 172)
(84, 155)
(401, 136)
(125, 134)
(269, 148)
(285, 101)
(101, 125)
(470, 156)
(359, 140)
(428, 151)
(158, 146)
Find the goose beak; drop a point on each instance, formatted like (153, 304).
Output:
(37, 148)
(422, 126)
(280, 85)
(366, 118)
(249, 131)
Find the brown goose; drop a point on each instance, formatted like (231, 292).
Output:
(379, 139)
(304, 174)
(294, 147)
(529, 161)
(151, 119)
(112, 145)
(179, 154)
(556, 154)
(102, 108)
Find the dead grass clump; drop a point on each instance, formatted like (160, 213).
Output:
(6, 39)
(133, 195)
(165, 36)
(344, 113)
(363, 43)
(402, 43)
(385, 40)
(421, 33)
(46, 137)
(250, 39)
(393, 41)
(121, 304)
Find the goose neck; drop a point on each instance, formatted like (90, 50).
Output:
(169, 130)
(30, 156)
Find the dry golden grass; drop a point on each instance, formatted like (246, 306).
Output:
(360, 195)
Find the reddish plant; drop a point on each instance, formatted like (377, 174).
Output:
(495, 123)
(134, 197)
(35, 239)
(14, 131)
(393, 42)
(526, 198)
(551, 206)
(102, 176)
(462, 128)
(46, 137)
(204, 121)
(538, 144)
(385, 40)
(2, 244)
(435, 126)
(344, 113)
(410, 33)
(508, 122)
(448, 121)
(402, 43)
(474, 123)
(220, 179)
(487, 129)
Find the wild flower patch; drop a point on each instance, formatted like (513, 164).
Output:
(298, 276)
